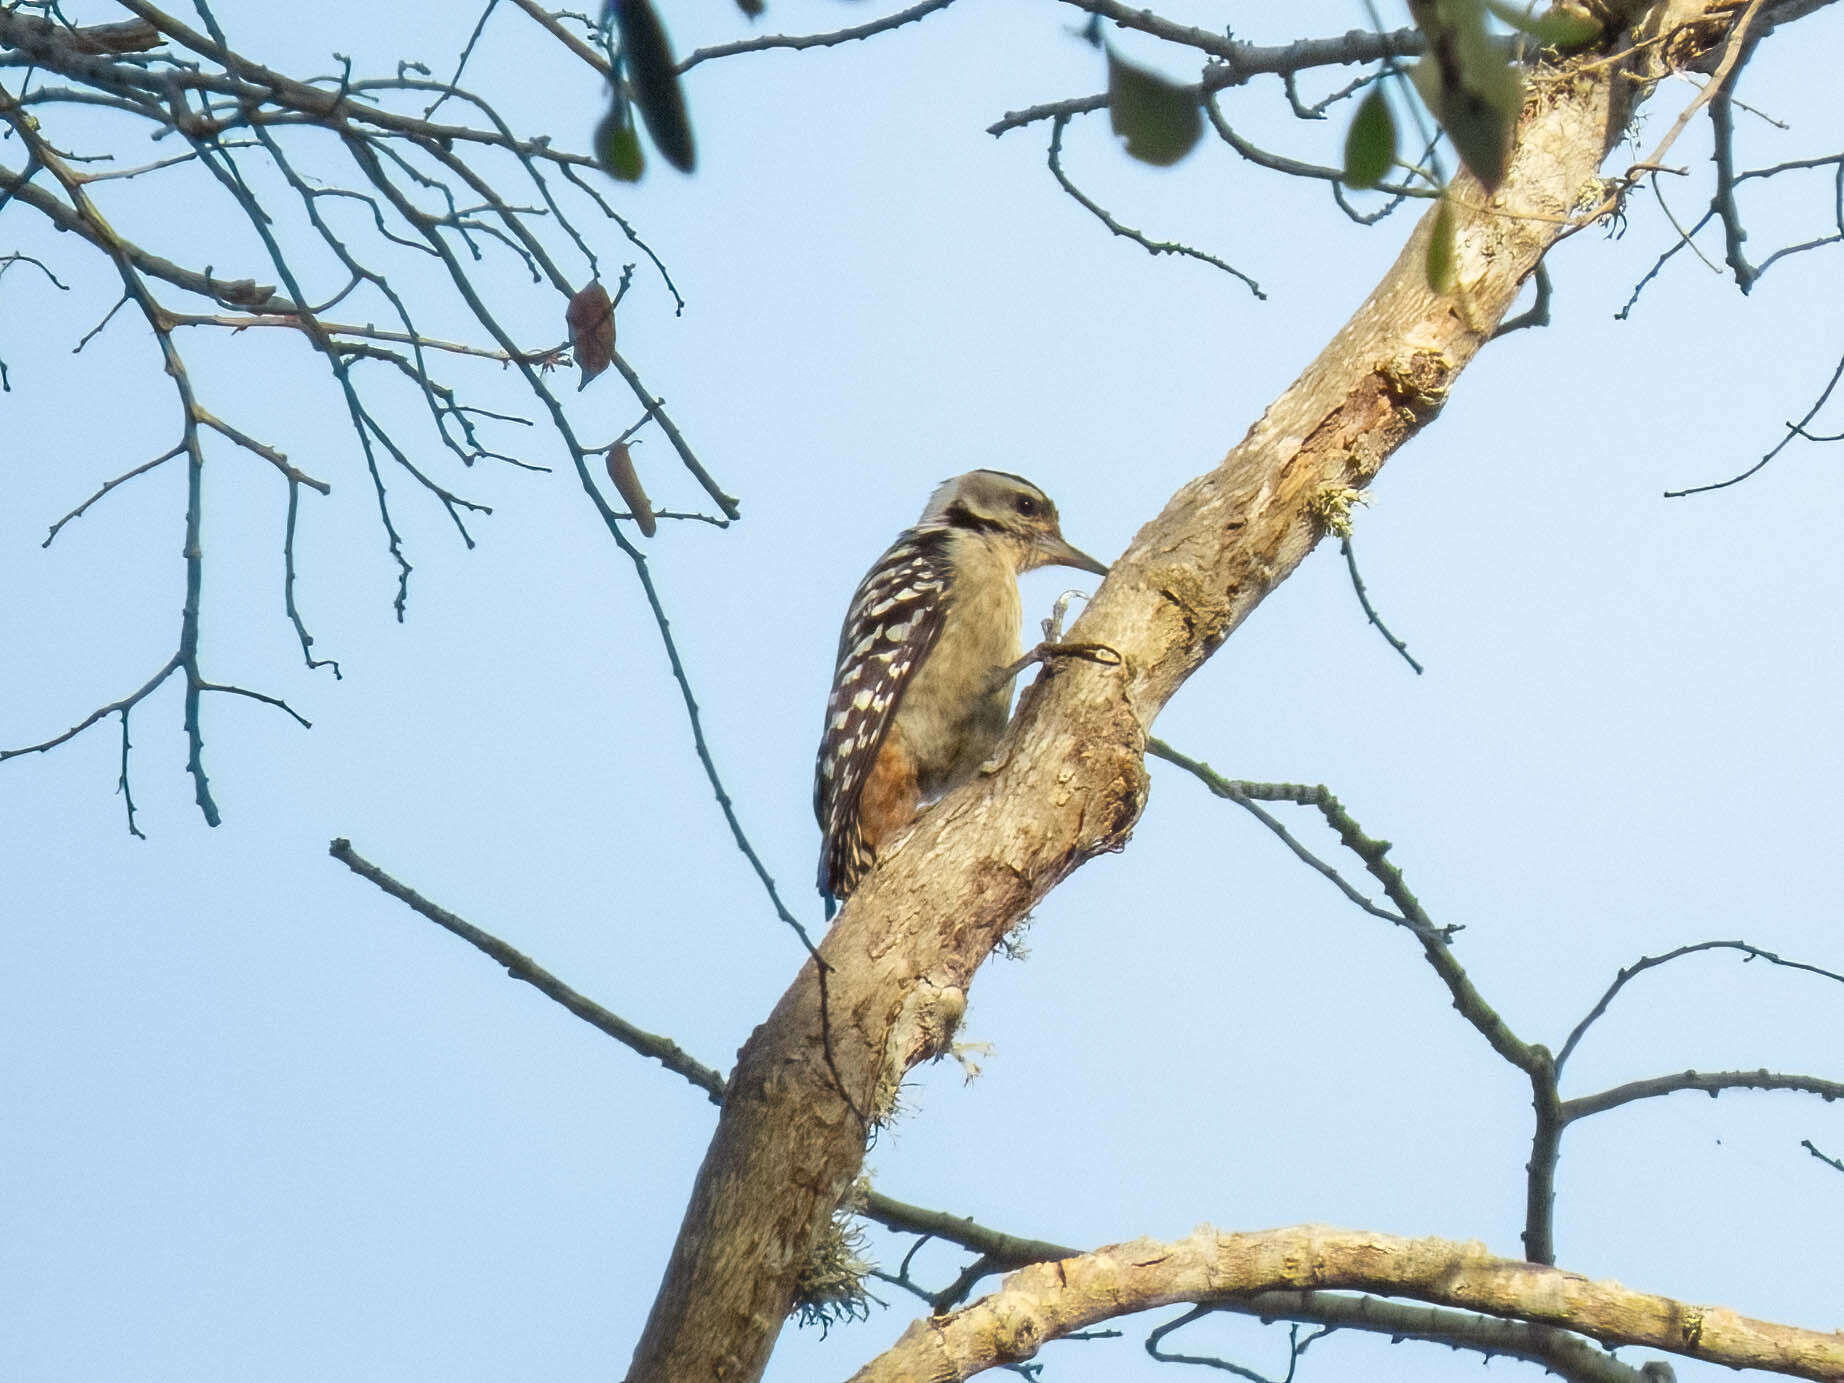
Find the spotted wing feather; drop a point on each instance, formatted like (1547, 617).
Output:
(895, 617)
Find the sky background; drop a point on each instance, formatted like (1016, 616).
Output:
(260, 1122)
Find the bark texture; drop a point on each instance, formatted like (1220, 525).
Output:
(1070, 782)
(1049, 1300)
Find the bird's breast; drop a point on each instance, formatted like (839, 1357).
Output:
(955, 710)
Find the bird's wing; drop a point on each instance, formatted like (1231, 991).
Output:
(895, 618)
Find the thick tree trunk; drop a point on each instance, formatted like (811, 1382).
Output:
(1071, 782)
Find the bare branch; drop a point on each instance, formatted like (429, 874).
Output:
(7, 261)
(1793, 430)
(262, 449)
(121, 707)
(308, 325)
(420, 192)
(1357, 582)
(1832, 1162)
(1247, 60)
(521, 967)
(33, 34)
(1006, 1250)
(1533, 1059)
(1722, 127)
(1243, 794)
(1235, 64)
(288, 586)
(764, 42)
(1564, 1354)
(1644, 963)
(1155, 1346)
(1711, 1083)
(1317, 110)
(1152, 247)
(230, 689)
(186, 658)
(1295, 168)
(1050, 1301)
(1467, 1001)
(569, 40)
(236, 292)
(108, 485)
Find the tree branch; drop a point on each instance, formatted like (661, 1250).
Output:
(1711, 1083)
(1560, 1352)
(1140, 238)
(1631, 972)
(1235, 61)
(997, 1251)
(763, 42)
(1245, 60)
(522, 967)
(1049, 1301)
(1067, 782)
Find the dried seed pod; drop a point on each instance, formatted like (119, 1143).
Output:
(627, 484)
(591, 319)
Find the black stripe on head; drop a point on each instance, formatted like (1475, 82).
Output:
(958, 515)
(1019, 496)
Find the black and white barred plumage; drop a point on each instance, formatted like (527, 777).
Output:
(919, 695)
(896, 615)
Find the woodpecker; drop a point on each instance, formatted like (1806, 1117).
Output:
(921, 694)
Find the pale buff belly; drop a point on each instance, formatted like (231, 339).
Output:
(952, 714)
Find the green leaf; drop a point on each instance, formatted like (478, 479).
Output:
(1440, 250)
(1555, 28)
(617, 146)
(1370, 143)
(1480, 124)
(1469, 84)
(646, 57)
(1160, 120)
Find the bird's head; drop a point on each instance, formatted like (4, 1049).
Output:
(1010, 510)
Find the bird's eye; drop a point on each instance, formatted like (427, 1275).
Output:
(1026, 505)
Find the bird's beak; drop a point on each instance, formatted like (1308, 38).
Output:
(1057, 553)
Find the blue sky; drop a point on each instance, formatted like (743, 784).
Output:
(261, 1122)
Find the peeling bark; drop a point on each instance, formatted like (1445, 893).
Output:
(1070, 782)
